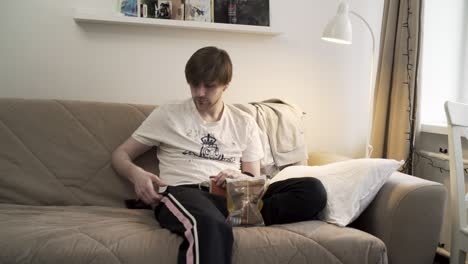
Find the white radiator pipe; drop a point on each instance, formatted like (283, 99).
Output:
(439, 156)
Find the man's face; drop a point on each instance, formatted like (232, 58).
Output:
(206, 96)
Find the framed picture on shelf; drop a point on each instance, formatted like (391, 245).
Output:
(244, 12)
(164, 9)
(148, 8)
(129, 7)
(221, 11)
(253, 12)
(198, 10)
(178, 10)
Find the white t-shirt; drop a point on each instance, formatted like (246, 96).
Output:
(190, 150)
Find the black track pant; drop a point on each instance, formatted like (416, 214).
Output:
(200, 218)
(293, 200)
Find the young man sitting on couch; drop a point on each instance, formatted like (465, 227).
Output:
(205, 137)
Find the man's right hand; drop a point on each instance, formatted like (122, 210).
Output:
(145, 184)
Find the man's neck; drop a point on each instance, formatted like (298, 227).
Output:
(212, 114)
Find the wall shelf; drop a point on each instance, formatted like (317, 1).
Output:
(107, 17)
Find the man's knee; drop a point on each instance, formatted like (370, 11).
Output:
(314, 193)
(301, 199)
(314, 186)
(306, 189)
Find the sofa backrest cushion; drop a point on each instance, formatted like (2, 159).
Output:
(57, 152)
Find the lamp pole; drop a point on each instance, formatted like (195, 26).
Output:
(370, 107)
(339, 30)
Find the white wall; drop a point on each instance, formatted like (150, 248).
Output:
(45, 54)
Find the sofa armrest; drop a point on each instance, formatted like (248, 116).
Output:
(407, 216)
(322, 158)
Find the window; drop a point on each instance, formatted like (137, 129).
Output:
(444, 58)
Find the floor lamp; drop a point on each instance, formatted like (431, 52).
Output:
(339, 30)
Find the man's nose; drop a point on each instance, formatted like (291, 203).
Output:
(200, 91)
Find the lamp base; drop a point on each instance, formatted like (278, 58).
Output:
(369, 150)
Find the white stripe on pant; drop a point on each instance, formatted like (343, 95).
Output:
(200, 219)
(190, 225)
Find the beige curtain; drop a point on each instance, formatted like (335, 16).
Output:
(395, 120)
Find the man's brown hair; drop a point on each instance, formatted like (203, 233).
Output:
(209, 65)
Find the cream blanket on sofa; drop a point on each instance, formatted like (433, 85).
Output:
(282, 133)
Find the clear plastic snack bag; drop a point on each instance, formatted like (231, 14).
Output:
(244, 200)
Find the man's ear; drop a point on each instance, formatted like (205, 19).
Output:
(225, 87)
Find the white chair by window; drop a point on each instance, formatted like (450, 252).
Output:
(457, 121)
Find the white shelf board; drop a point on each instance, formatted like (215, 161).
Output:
(106, 17)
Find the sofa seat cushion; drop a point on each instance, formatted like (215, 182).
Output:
(93, 234)
(347, 245)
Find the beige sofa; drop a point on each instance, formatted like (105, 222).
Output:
(61, 202)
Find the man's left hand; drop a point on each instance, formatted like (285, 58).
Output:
(225, 174)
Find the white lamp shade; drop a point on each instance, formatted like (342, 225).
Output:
(339, 28)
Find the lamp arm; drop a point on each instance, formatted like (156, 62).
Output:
(369, 147)
(368, 27)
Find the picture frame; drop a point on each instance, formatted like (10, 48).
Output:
(198, 10)
(129, 8)
(253, 12)
(244, 12)
(164, 9)
(148, 8)
(178, 10)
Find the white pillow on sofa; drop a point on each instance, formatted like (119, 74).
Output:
(351, 185)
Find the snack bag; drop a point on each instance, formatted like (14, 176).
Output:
(244, 200)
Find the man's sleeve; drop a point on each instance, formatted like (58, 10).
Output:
(254, 149)
(150, 130)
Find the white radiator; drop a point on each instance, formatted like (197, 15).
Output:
(445, 233)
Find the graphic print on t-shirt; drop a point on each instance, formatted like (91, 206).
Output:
(209, 150)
